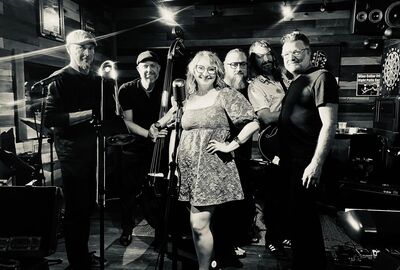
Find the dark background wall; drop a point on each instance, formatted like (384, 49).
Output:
(216, 25)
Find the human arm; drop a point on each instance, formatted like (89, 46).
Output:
(246, 133)
(266, 99)
(267, 117)
(328, 115)
(55, 113)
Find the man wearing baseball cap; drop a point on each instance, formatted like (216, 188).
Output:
(69, 108)
(140, 100)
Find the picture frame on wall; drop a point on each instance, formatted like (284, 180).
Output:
(51, 16)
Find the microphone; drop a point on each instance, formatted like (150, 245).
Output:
(46, 81)
(178, 91)
(108, 70)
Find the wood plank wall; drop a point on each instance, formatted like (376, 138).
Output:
(240, 24)
(19, 33)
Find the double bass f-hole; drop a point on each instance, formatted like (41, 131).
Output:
(156, 176)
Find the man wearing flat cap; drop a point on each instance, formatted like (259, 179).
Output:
(140, 100)
(71, 102)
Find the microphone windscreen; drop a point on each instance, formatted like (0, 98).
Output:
(178, 90)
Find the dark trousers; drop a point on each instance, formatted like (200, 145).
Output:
(135, 167)
(79, 188)
(135, 189)
(307, 239)
(275, 211)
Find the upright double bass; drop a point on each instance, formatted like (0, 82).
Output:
(156, 177)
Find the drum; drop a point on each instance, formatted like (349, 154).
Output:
(120, 139)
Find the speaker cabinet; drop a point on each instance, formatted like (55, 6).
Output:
(372, 228)
(372, 17)
(30, 218)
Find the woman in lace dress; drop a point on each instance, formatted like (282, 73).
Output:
(209, 176)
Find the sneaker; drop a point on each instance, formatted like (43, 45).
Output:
(240, 253)
(275, 250)
(125, 239)
(287, 243)
(95, 261)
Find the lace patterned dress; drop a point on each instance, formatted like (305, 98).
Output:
(209, 179)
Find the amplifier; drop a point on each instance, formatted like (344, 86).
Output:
(30, 218)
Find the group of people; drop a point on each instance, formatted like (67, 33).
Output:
(226, 104)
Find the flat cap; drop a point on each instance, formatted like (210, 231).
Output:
(147, 56)
(80, 37)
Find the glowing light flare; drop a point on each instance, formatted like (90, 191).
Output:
(108, 70)
(287, 12)
(167, 16)
(354, 223)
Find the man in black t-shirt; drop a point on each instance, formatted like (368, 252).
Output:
(307, 126)
(140, 100)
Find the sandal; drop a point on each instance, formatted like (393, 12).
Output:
(240, 253)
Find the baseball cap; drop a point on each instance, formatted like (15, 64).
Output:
(80, 37)
(147, 56)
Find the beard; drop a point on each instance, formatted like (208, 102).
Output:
(85, 64)
(238, 82)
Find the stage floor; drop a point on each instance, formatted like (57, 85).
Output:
(141, 255)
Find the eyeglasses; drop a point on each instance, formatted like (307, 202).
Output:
(235, 65)
(295, 53)
(211, 70)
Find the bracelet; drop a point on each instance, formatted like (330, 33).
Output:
(236, 139)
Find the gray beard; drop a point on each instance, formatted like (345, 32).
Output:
(238, 82)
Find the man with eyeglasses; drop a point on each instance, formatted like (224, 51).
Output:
(266, 92)
(228, 238)
(306, 129)
(71, 104)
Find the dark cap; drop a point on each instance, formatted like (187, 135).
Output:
(80, 37)
(147, 56)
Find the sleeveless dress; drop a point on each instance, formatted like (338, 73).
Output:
(210, 179)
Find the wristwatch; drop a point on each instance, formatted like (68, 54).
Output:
(157, 125)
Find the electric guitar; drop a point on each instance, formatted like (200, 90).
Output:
(268, 142)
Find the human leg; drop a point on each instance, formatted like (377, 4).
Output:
(200, 218)
(129, 189)
(307, 239)
(79, 194)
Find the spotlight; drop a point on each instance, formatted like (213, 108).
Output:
(322, 8)
(287, 12)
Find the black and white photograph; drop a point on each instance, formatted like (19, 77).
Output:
(200, 135)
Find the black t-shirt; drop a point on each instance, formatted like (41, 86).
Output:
(72, 92)
(299, 122)
(145, 109)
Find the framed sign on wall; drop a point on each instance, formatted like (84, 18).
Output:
(51, 16)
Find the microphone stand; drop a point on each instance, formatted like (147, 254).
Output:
(106, 71)
(39, 173)
(100, 171)
(171, 197)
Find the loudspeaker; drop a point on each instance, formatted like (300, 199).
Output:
(372, 228)
(30, 218)
(372, 17)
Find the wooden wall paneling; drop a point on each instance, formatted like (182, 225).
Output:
(19, 96)
(72, 10)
